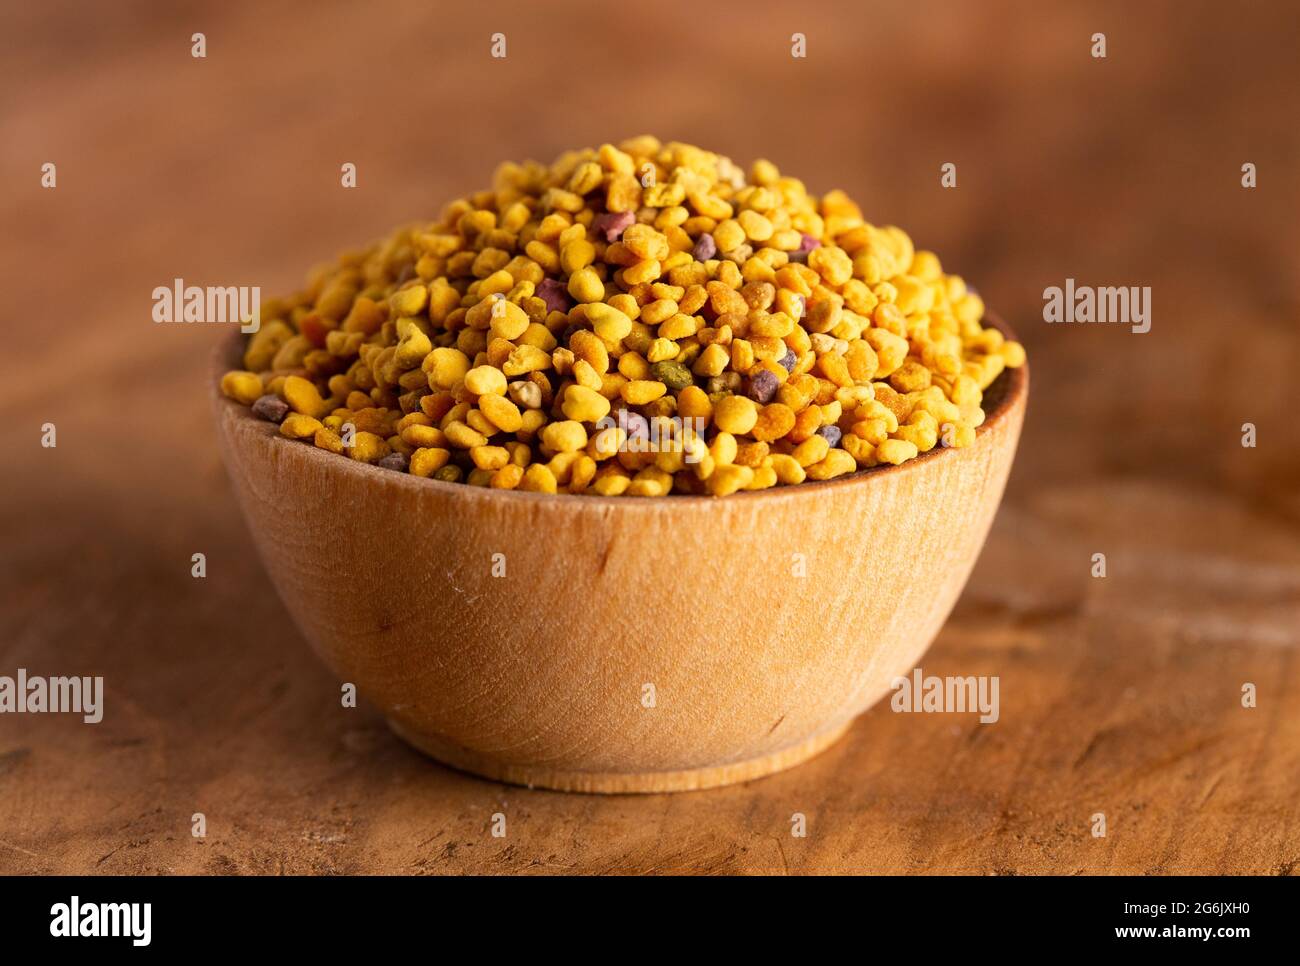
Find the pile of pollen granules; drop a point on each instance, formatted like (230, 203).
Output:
(640, 319)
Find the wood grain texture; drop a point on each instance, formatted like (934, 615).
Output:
(1119, 695)
(515, 634)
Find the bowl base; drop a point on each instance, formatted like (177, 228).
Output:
(615, 783)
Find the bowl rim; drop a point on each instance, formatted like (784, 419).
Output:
(1014, 392)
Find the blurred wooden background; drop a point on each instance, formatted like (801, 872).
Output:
(1119, 696)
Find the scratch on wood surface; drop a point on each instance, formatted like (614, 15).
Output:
(107, 855)
(785, 864)
(17, 848)
(1090, 747)
(1209, 791)
(451, 579)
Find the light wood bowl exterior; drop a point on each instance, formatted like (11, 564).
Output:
(538, 677)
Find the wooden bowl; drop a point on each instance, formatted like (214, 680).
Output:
(631, 644)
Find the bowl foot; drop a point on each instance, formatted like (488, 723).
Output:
(615, 783)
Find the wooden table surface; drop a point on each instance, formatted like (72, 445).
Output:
(1119, 695)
